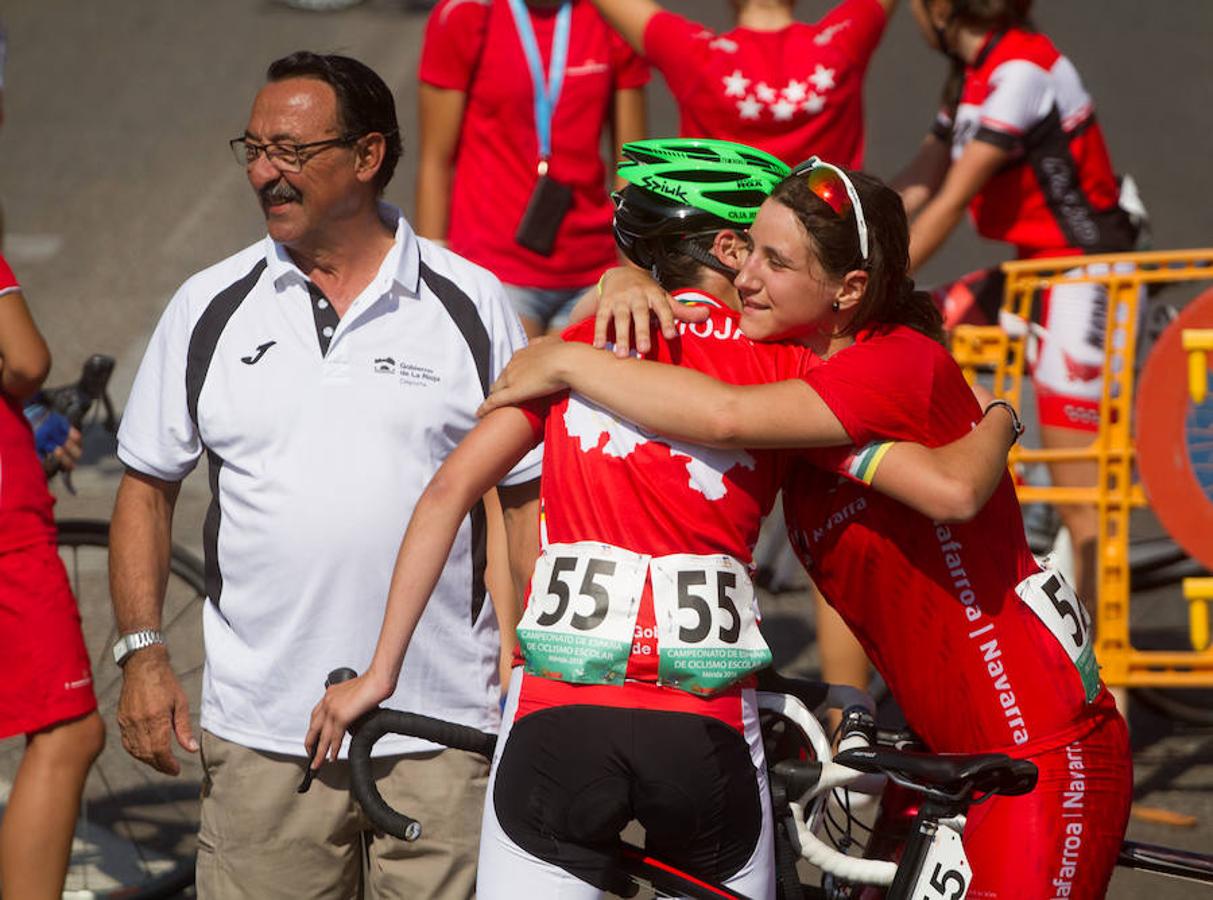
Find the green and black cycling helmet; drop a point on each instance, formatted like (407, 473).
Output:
(681, 192)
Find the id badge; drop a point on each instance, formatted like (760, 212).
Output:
(579, 623)
(550, 201)
(1056, 605)
(707, 622)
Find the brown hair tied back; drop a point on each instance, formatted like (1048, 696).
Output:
(890, 297)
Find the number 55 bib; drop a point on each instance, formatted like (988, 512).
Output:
(579, 623)
(707, 622)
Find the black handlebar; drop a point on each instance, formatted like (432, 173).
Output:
(391, 721)
(380, 722)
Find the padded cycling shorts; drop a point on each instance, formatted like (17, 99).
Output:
(566, 780)
(1065, 340)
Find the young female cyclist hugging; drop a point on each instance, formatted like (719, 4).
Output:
(983, 650)
(640, 635)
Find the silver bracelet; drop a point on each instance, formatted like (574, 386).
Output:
(1016, 423)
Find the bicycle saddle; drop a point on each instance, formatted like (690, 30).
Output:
(986, 773)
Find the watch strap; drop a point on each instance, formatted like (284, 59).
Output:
(135, 640)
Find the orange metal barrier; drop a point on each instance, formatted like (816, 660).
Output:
(1115, 492)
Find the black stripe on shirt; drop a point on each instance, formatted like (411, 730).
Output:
(203, 341)
(467, 319)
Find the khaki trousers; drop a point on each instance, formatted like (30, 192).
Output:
(260, 839)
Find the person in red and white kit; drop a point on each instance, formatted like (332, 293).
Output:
(791, 88)
(1018, 145)
(483, 160)
(983, 649)
(46, 688)
(628, 707)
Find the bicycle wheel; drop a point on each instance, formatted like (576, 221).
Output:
(138, 828)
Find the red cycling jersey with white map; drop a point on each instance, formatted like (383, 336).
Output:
(1058, 192)
(937, 607)
(606, 480)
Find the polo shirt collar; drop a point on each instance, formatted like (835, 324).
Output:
(402, 265)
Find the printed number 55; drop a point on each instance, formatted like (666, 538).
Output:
(725, 581)
(589, 588)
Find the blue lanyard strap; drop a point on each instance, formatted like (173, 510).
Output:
(546, 91)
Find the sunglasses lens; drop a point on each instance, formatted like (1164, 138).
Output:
(828, 186)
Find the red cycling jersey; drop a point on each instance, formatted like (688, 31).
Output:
(981, 650)
(604, 480)
(794, 92)
(1058, 194)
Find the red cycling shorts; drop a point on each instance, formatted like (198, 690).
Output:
(46, 676)
(1060, 840)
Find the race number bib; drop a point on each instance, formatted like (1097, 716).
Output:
(579, 622)
(1055, 603)
(945, 873)
(707, 622)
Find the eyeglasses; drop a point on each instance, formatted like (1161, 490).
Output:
(284, 157)
(831, 185)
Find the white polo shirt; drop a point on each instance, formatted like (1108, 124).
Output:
(320, 435)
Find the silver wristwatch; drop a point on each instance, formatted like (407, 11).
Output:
(136, 640)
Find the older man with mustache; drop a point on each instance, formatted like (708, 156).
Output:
(326, 371)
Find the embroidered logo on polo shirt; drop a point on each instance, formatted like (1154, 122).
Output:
(406, 372)
(256, 357)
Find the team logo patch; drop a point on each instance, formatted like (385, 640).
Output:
(255, 357)
(406, 372)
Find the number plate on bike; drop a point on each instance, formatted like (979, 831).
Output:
(707, 622)
(1058, 607)
(579, 622)
(945, 873)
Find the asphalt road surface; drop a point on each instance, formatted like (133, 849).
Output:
(117, 184)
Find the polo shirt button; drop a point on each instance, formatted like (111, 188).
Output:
(321, 303)
(327, 331)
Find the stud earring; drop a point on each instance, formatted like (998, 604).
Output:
(834, 306)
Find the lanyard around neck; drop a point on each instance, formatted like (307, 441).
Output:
(546, 91)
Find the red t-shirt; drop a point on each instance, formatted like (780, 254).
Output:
(604, 480)
(794, 93)
(935, 606)
(1058, 195)
(474, 47)
(26, 506)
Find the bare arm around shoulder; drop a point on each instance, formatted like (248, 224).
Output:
(153, 707)
(24, 357)
(965, 178)
(922, 177)
(629, 17)
(671, 400)
(441, 113)
(953, 482)
(481, 460)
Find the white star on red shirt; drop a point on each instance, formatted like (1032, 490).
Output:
(815, 104)
(822, 78)
(765, 92)
(735, 85)
(795, 91)
(783, 110)
(749, 108)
